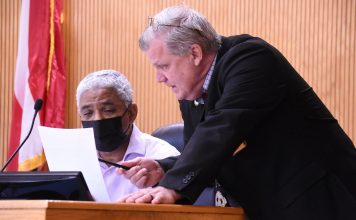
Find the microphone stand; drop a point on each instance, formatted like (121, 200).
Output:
(38, 106)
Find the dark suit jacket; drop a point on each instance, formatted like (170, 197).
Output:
(298, 162)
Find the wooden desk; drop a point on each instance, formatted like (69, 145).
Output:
(68, 210)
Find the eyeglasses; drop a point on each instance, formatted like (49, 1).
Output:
(155, 25)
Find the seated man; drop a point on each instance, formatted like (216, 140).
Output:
(104, 101)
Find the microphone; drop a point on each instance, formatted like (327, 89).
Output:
(37, 107)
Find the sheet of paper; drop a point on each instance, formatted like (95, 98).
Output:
(74, 150)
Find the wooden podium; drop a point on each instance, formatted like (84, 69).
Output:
(65, 210)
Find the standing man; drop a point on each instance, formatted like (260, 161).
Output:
(297, 162)
(105, 103)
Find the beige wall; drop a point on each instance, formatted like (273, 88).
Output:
(317, 36)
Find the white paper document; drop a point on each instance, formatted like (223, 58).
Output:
(74, 150)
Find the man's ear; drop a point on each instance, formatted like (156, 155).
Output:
(132, 112)
(196, 54)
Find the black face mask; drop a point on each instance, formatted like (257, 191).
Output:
(108, 133)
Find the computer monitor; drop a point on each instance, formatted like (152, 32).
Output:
(44, 185)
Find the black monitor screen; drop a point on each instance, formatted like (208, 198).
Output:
(44, 185)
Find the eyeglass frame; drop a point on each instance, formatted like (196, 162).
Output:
(151, 22)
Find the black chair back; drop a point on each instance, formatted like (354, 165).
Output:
(172, 133)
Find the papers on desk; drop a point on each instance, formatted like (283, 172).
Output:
(74, 150)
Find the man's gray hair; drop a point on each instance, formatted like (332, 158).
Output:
(181, 27)
(106, 79)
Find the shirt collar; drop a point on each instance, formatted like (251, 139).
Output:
(206, 82)
(208, 76)
(135, 142)
(135, 146)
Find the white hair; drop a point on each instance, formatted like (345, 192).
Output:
(106, 79)
(181, 27)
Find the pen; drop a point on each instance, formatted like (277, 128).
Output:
(114, 164)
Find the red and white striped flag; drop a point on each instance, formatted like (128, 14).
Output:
(40, 73)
